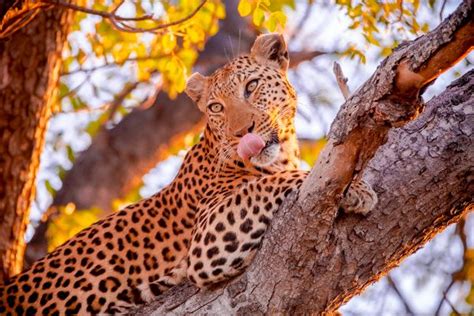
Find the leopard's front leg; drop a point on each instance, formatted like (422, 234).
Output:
(227, 235)
(359, 198)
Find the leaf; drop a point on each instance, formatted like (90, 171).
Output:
(386, 51)
(63, 90)
(245, 7)
(168, 42)
(50, 189)
(77, 103)
(258, 16)
(70, 154)
(94, 126)
(371, 39)
(276, 20)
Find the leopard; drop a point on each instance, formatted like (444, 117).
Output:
(207, 225)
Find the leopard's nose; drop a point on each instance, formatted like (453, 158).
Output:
(245, 130)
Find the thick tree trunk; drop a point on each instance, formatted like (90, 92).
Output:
(313, 258)
(29, 68)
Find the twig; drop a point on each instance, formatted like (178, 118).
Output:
(150, 100)
(118, 21)
(457, 275)
(120, 98)
(19, 19)
(76, 89)
(400, 17)
(341, 80)
(445, 298)
(106, 65)
(297, 57)
(400, 295)
(454, 310)
(441, 11)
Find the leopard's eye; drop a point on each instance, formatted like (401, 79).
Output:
(215, 107)
(250, 87)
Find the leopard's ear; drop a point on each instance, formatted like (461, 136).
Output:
(196, 88)
(270, 49)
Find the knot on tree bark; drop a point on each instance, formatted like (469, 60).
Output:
(395, 111)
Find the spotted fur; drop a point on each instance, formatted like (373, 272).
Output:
(206, 225)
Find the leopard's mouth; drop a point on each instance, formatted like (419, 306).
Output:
(269, 153)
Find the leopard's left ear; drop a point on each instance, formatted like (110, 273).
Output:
(270, 49)
(196, 89)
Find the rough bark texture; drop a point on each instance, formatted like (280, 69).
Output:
(410, 174)
(314, 259)
(29, 68)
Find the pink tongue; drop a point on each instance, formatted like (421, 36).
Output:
(250, 145)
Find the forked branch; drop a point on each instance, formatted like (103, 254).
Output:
(313, 260)
(119, 22)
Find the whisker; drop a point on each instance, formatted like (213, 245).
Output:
(226, 54)
(240, 38)
(283, 114)
(231, 46)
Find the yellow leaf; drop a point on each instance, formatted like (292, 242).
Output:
(258, 16)
(142, 73)
(245, 7)
(196, 34)
(188, 56)
(220, 11)
(386, 51)
(168, 42)
(276, 20)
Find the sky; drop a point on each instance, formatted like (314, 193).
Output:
(325, 29)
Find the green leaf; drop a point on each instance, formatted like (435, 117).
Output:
(49, 188)
(70, 154)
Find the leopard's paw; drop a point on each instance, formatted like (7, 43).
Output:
(359, 198)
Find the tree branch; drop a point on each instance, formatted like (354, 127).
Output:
(19, 18)
(288, 275)
(297, 57)
(119, 22)
(341, 80)
(401, 297)
(325, 259)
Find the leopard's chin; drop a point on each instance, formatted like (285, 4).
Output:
(268, 155)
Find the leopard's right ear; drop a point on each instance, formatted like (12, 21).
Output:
(196, 88)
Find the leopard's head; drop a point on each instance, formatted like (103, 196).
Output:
(249, 103)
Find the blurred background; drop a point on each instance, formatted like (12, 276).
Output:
(121, 126)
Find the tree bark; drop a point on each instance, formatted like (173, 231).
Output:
(29, 69)
(119, 157)
(313, 258)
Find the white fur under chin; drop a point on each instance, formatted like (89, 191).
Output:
(268, 156)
